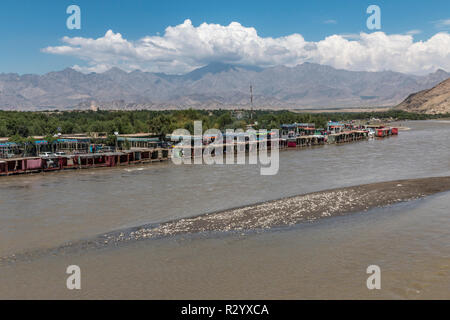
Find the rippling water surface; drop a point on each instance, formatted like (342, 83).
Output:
(410, 242)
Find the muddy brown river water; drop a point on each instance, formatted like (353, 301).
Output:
(410, 241)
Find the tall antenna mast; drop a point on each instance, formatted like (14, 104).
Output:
(251, 102)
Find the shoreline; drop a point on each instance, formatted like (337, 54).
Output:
(293, 210)
(112, 160)
(285, 212)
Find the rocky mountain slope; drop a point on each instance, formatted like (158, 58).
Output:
(216, 85)
(432, 101)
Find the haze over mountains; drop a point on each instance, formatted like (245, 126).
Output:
(216, 85)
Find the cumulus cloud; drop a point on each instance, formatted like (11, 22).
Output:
(185, 47)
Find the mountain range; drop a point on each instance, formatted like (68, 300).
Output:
(216, 85)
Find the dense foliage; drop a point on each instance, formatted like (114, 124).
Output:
(25, 124)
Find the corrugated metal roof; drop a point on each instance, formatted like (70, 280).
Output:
(89, 155)
(155, 140)
(137, 135)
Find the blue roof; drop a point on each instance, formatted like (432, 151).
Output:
(8, 144)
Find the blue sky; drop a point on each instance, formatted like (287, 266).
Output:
(28, 26)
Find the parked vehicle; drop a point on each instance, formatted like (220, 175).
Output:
(46, 154)
(59, 154)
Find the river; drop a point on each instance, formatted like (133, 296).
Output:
(327, 259)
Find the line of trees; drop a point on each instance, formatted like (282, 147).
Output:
(22, 125)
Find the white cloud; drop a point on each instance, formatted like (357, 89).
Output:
(185, 47)
(330, 21)
(442, 24)
(350, 36)
(414, 32)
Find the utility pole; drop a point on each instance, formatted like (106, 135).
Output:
(251, 102)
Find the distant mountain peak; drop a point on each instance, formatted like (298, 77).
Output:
(68, 71)
(115, 70)
(440, 71)
(212, 68)
(218, 67)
